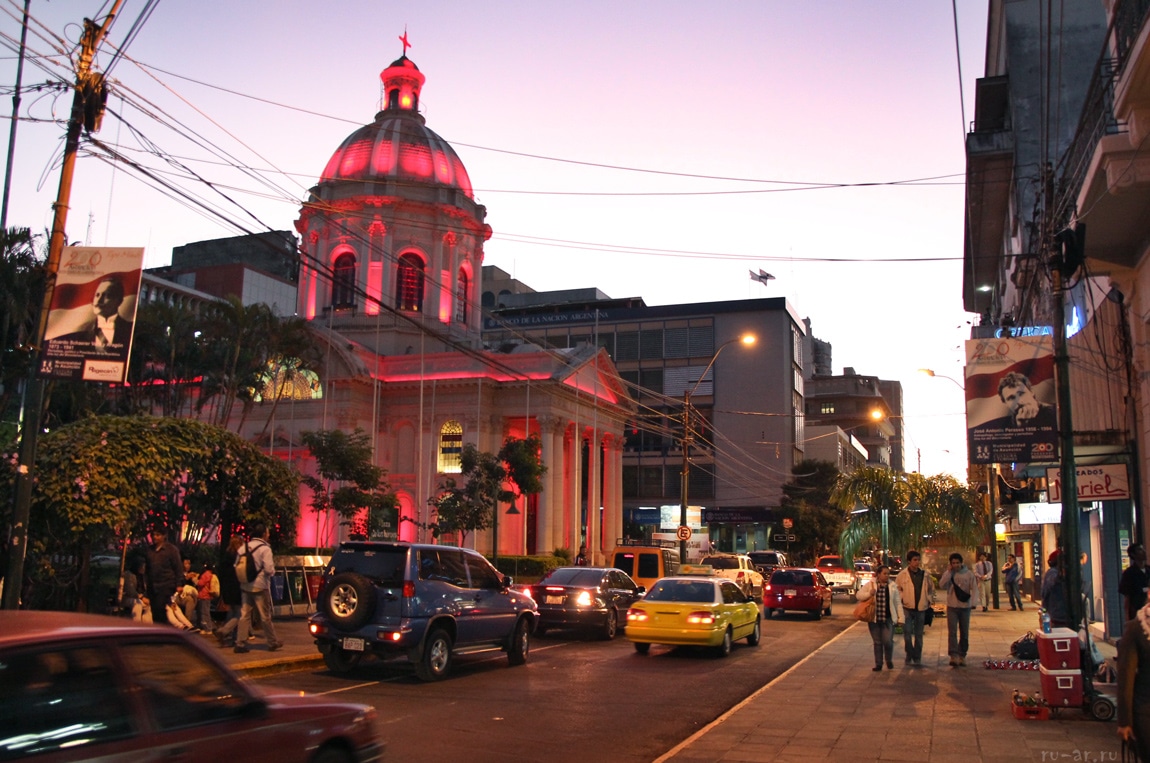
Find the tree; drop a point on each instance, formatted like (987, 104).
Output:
(349, 483)
(488, 480)
(105, 480)
(914, 508)
(21, 292)
(818, 522)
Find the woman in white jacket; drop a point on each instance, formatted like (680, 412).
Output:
(885, 615)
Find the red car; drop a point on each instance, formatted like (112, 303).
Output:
(84, 687)
(797, 588)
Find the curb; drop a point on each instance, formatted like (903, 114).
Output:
(271, 667)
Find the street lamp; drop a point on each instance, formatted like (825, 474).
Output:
(685, 475)
(929, 372)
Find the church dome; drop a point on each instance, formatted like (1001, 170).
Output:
(398, 145)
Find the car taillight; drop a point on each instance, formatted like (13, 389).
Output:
(554, 589)
(636, 615)
(315, 629)
(409, 589)
(528, 594)
(583, 599)
(766, 587)
(701, 618)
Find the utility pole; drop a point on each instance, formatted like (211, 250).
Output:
(685, 475)
(87, 108)
(15, 119)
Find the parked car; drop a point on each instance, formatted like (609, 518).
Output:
(423, 603)
(740, 569)
(85, 687)
(767, 562)
(841, 578)
(591, 598)
(692, 610)
(797, 588)
(645, 563)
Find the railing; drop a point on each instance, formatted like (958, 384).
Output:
(1129, 18)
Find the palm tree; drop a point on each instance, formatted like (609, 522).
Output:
(912, 506)
(239, 338)
(21, 291)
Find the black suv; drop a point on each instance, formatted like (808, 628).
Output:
(425, 603)
(767, 562)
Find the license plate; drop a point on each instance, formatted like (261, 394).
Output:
(353, 644)
(552, 599)
(791, 592)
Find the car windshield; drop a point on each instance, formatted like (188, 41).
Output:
(791, 577)
(764, 558)
(864, 567)
(830, 561)
(574, 576)
(722, 562)
(701, 591)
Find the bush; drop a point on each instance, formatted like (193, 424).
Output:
(526, 569)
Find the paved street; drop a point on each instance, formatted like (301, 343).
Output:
(832, 707)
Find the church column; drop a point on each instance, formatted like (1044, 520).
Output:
(616, 496)
(546, 519)
(573, 473)
(610, 509)
(594, 494)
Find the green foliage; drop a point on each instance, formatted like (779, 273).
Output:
(563, 555)
(349, 483)
(917, 508)
(21, 292)
(526, 569)
(103, 481)
(818, 522)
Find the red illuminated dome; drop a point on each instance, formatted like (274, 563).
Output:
(398, 144)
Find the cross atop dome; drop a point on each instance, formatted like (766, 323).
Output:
(401, 82)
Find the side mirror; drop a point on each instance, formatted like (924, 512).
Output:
(641, 591)
(508, 581)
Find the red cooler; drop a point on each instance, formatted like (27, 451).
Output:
(1061, 688)
(1058, 650)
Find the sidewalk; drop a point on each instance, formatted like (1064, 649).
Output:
(832, 707)
(298, 653)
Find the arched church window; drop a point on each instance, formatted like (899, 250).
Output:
(343, 281)
(409, 284)
(450, 448)
(462, 287)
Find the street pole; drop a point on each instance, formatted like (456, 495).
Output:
(991, 485)
(1070, 511)
(685, 474)
(15, 119)
(86, 87)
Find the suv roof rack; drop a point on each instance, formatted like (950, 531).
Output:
(641, 542)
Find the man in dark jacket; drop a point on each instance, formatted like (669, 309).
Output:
(165, 573)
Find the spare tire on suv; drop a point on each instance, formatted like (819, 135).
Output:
(393, 599)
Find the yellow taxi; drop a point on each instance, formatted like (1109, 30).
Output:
(694, 608)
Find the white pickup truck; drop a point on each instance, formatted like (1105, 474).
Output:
(739, 568)
(841, 579)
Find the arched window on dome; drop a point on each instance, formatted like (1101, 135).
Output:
(409, 284)
(450, 448)
(343, 281)
(462, 288)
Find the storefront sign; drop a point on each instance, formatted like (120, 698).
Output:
(1104, 482)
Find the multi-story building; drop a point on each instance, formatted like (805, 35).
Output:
(1054, 152)
(866, 407)
(746, 403)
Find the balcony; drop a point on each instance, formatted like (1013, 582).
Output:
(1104, 177)
(989, 168)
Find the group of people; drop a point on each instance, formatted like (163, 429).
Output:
(907, 598)
(161, 587)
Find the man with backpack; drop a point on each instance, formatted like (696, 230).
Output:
(255, 567)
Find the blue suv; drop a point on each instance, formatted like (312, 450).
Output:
(425, 603)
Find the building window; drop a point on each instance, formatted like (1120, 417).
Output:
(450, 448)
(462, 287)
(827, 408)
(343, 281)
(409, 284)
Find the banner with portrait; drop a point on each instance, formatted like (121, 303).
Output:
(93, 314)
(1010, 397)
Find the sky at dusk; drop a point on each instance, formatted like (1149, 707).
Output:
(652, 149)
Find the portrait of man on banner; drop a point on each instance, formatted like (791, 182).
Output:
(1011, 416)
(92, 315)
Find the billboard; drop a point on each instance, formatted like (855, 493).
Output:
(92, 315)
(1010, 413)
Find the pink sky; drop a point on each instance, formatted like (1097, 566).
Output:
(829, 92)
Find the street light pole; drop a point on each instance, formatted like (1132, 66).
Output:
(685, 474)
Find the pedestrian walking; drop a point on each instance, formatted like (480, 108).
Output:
(1135, 580)
(983, 572)
(257, 593)
(165, 573)
(1011, 575)
(884, 615)
(1054, 591)
(961, 596)
(916, 594)
(1134, 683)
(230, 594)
